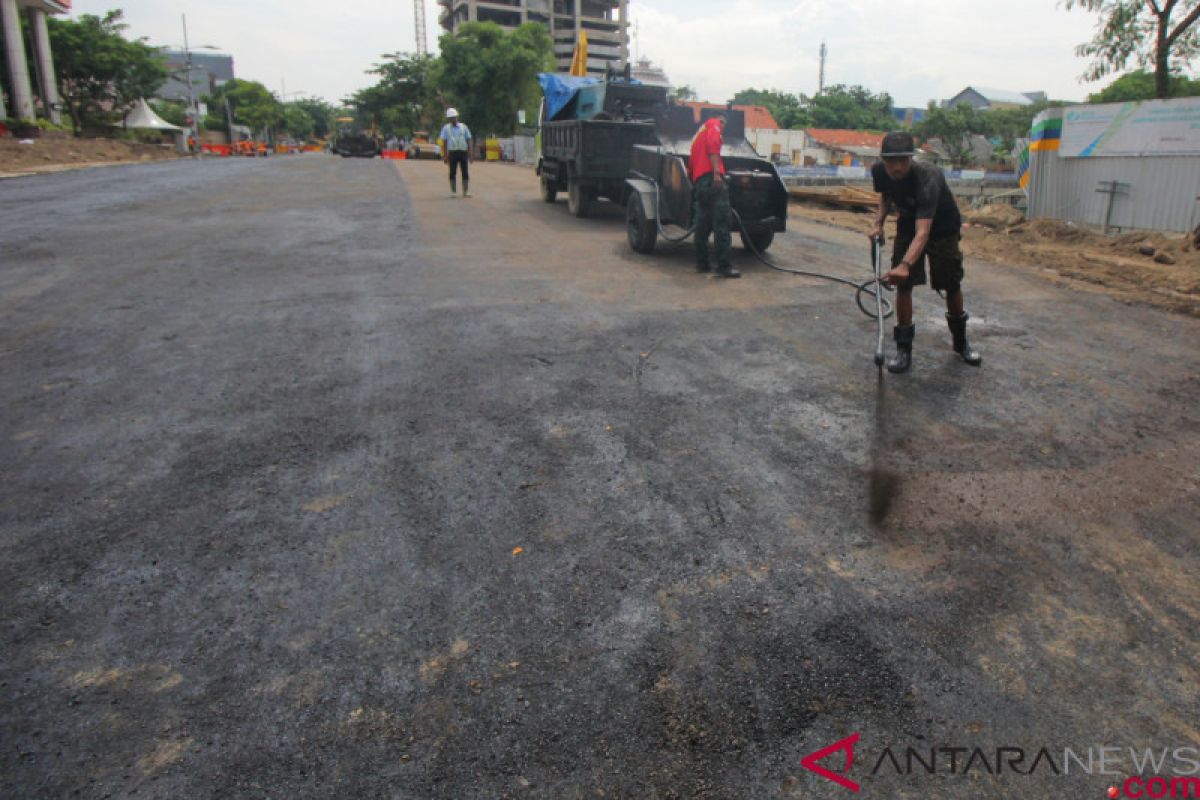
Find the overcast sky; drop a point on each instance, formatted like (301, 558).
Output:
(902, 47)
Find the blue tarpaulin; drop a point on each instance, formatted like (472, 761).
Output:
(559, 89)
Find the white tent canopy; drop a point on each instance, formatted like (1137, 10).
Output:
(143, 116)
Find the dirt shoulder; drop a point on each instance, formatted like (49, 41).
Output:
(1162, 270)
(54, 155)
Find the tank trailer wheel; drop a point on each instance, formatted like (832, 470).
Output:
(758, 241)
(642, 231)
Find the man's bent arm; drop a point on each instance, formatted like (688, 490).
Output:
(924, 226)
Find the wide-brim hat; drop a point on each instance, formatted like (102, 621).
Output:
(451, 112)
(898, 144)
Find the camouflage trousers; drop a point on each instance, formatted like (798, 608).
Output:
(712, 215)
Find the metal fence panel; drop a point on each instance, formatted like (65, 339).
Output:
(1160, 191)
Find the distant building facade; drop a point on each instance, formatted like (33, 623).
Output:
(982, 98)
(209, 72)
(648, 73)
(815, 147)
(757, 117)
(780, 145)
(606, 23)
(980, 151)
(909, 116)
(842, 147)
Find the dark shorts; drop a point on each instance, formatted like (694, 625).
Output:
(945, 262)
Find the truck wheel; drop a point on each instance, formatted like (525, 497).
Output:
(579, 198)
(549, 189)
(758, 241)
(642, 231)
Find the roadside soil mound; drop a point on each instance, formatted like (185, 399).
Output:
(1154, 268)
(53, 154)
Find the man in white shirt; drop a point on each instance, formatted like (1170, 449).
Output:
(455, 139)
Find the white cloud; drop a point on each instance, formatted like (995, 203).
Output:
(914, 49)
(313, 46)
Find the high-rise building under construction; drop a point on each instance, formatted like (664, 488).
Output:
(604, 21)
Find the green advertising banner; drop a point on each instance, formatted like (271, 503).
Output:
(1150, 128)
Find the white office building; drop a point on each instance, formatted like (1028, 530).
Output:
(605, 22)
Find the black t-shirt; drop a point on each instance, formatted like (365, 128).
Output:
(923, 194)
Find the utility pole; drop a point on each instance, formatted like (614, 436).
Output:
(419, 17)
(821, 76)
(194, 144)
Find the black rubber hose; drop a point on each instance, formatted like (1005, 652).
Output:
(866, 287)
(658, 212)
(860, 289)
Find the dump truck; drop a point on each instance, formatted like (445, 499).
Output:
(588, 130)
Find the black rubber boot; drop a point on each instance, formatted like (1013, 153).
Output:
(902, 361)
(727, 271)
(958, 329)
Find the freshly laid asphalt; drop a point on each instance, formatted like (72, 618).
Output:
(316, 482)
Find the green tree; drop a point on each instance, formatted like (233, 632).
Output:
(489, 73)
(171, 112)
(1140, 85)
(850, 108)
(251, 103)
(404, 99)
(1149, 32)
(101, 74)
(298, 123)
(682, 93)
(1005, 125)
(787, 109)
(321, 113)
(954, 127)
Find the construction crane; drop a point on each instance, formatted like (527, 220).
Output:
(419, 16)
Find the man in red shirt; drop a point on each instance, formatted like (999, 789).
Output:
(712, 214)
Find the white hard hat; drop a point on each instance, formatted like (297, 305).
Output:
(451, 112)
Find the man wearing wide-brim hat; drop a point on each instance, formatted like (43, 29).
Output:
(928, 227)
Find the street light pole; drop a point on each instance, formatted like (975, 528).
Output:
(187, 56)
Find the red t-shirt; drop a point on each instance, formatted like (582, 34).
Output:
(707, 143)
